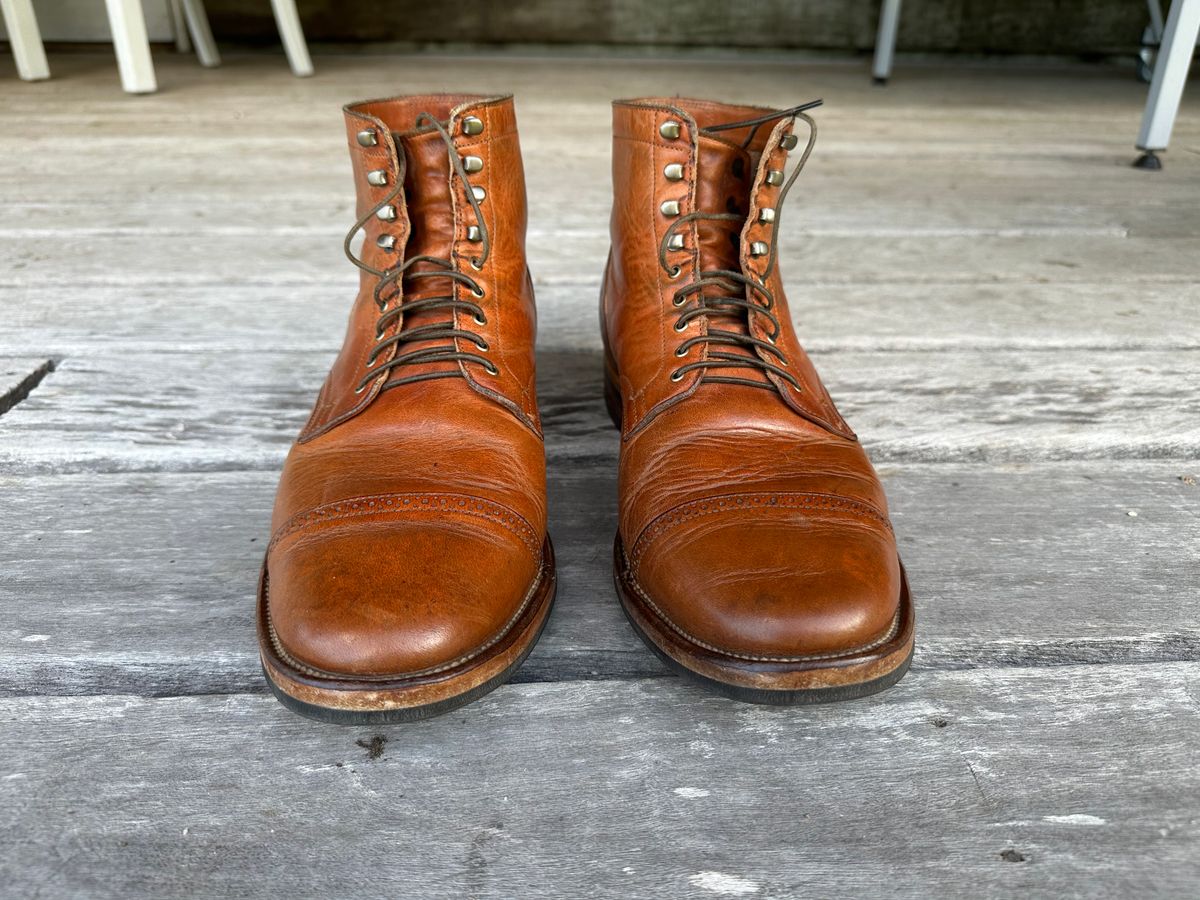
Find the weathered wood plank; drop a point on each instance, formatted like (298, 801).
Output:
(578, 139)
(215, 259)
(816, 259)
(1028, 783)
(242, 195)
(830, 214)
(311, 318)
(1033, 101)
(831, 317)
(948, 146)
(1030, 313)
(969, 168)
(150, 578)
(223, 410)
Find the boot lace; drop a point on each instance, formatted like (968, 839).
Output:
(404, 273)
(754, 298)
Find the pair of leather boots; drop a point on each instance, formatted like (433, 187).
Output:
(409, 569)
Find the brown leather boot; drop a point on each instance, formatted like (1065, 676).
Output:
(409, 569)
(754, 549)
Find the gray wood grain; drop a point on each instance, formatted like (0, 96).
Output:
(892, 316)
(841, 192)
(946, 164)
(1032, 110)
(144, 583)
(223, 410)
(1029, 782)
(561, 258)
(987, 287)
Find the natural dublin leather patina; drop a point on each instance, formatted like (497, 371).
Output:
(754, 548)
(409, 569)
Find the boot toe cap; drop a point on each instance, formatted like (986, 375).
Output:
(775, 584)
(396, 595)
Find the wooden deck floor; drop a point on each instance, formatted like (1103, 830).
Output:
(1004, 309)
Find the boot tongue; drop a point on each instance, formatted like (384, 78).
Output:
(431, 222)
(427, 198)
(722, 186)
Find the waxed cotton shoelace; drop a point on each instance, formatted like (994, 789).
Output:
(728, 280)
(400, 274)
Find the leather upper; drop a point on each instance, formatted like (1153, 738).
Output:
(750, 515)
(408, 528)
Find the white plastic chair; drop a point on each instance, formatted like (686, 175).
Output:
(26, 40)
(885, 41)
(1170, 75)
(191, 16)
(1166, 87)
(128, 24)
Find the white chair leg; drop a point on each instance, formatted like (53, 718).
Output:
(183, 43)
(25, 39)
(128, 24)
(197, 21)
(885, 40)
(1154, 8)
(292, 34)
(1170, 75)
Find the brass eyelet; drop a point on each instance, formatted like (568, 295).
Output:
(681, 351)
(678, 300)
(681, 325)
(476, 264)
(491, 370)
(675, 272)
(677, 375)
(478, 293)
(479, 320)
(483, 346)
